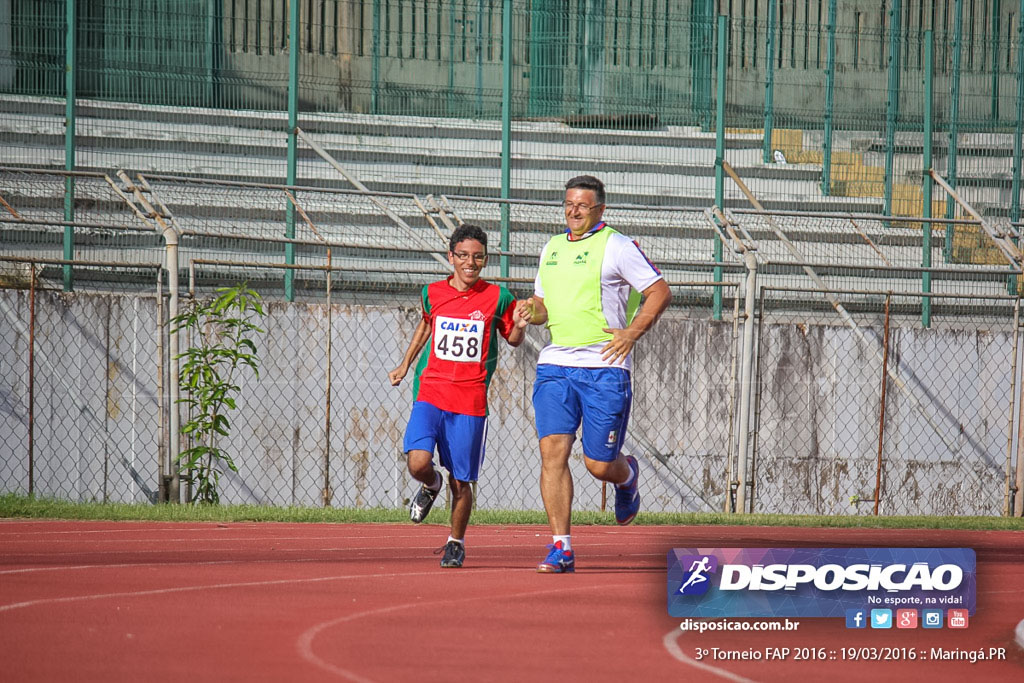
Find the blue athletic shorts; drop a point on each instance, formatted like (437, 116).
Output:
(459, 438)
(600, 398)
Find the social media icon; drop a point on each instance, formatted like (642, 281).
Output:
(856, 618)
(931, 618)
(957, 618)
(906, 618)
(881, 618)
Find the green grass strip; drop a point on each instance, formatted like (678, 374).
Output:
(15, 506)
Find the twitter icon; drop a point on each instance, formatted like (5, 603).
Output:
(881, 618)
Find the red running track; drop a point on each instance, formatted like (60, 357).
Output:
(108, 601)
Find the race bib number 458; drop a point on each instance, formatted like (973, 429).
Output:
(458, 339)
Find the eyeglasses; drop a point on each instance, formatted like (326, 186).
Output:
(571, 206)
(463, 256)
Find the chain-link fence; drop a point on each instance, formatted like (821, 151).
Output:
(861, 410)
(91, 428)
(82, 390)
(322, 425)
(313, 429)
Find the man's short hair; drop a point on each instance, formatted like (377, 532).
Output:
(587, 182)
(467, 231)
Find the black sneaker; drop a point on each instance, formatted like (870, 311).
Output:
(454, 555)
(421, 503)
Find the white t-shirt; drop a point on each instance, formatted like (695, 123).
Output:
(625, 266)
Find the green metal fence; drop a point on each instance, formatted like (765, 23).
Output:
(817, 105)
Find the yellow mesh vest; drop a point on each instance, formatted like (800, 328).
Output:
(570, 275)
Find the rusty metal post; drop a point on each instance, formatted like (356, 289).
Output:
(327, 493)
(162, 449)
(31, 378)
(881, 411)
(1008, 483)
(746, 383)
(1018, 496)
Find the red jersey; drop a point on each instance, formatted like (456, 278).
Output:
(456, 365)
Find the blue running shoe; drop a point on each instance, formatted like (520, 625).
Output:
(627, 498)
(558, 561)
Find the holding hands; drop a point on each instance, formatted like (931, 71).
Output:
(524, 312)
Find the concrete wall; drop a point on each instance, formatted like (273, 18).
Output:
(97, 427)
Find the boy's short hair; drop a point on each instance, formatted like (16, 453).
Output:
(587, 182)
(467, 231)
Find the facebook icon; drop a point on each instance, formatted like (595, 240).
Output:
(856, 618)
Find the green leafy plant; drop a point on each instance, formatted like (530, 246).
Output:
(221, 329)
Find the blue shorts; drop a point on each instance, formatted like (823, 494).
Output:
(600, 398)
(459, 438)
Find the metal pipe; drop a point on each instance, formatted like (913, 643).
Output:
(954, 121)
(174, 429)
(163, 451)
(681, 264)
(31, 379)
(716, 306)
(733, 452)
(769, 86)
(106, 400)
(170, 236)
(830, 80)
(892, 100)
(881, 410)
(870, 242)
(926, 209)
(1007, 492)
(1018, 128)
(10, 209)
(70, 76)
(758, 384)
(450, 92)
(479, 58)
(882, 218)
(1018, 493)
(327, 493)
(911, 294)
(293, 125)
(374, 59)
(994, 55)
(430, 219)
(506, 128)
(745, 380)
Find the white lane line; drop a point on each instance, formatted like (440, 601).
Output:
(219, 586)
(672, 645)
(250, 547)
(304, 643)
(124, 565)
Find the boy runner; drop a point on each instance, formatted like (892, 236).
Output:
(462, 317)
